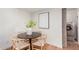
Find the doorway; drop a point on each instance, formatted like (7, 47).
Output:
(70, 26)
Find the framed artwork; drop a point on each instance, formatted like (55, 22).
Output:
(43, 21)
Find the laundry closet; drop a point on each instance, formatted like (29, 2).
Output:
(71, 24)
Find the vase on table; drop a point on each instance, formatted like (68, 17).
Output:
(29, 31)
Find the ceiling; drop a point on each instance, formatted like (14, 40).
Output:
(71, 9)
(32, 9)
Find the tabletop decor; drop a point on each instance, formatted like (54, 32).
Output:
(29, 26)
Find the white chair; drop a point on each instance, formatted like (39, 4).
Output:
(19, 44)
(41, 41)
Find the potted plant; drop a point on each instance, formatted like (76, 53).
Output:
(30, 25)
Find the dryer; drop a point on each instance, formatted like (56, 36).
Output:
(70, 33)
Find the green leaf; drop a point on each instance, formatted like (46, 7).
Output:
(31, 24)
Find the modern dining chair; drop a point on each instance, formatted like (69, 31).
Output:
(41, 42)
(19, 44)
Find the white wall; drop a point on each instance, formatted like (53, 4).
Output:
(14, 20)
(71, 15)
(11, 22)
(54, 33)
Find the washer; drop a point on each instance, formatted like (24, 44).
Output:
(70, 33)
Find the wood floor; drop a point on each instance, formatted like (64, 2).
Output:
(70, 46)
(51, 47)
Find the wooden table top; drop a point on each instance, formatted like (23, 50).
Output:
(26, 36)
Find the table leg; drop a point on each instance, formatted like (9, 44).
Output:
(30, 44)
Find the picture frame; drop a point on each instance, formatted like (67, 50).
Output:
(43, 21)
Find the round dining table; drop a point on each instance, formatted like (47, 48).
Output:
(30, 37)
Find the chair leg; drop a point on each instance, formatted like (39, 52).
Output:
(13, 48)
(34, 47)
(41, 47)
(44, 47)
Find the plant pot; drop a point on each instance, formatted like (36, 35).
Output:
(29, 31)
